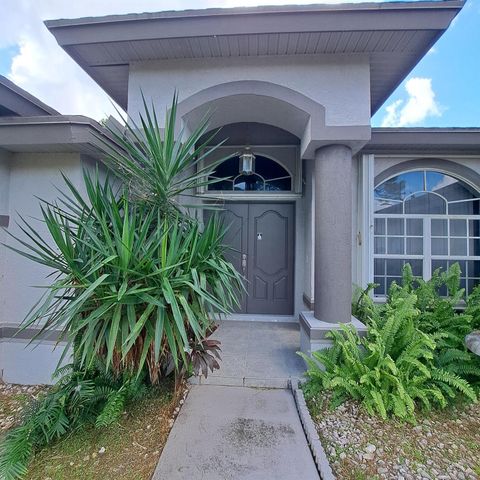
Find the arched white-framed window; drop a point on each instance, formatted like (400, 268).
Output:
(430, 219)
(267, 175)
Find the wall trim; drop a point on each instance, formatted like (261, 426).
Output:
(308, 301)
(8, 331)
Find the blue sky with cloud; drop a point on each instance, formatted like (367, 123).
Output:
(443, 90)
(453, 70)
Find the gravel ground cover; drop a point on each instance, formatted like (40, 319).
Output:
(443, 445)
(12, 400)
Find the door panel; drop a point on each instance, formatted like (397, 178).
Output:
(270, 258)
(235, 220)
(264, 233)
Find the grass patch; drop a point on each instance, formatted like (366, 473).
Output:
(132, 445)
(413, 452)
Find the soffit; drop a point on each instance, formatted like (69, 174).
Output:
(395, 36)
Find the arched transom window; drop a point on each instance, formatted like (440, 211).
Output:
(430, 220)
(266, 175)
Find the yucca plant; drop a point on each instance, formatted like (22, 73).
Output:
(162, 166)
(133, 287)
(136, 279)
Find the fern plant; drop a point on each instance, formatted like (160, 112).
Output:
(95, 397)
(439, 315)
(392, 370)
(363, 306)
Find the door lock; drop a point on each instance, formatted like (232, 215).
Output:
(244, 261)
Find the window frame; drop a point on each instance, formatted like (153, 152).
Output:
(288, 156)
(427, 257)
(233, 178)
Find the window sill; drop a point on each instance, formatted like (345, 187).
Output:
(250, 196)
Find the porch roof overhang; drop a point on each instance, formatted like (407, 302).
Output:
(53, 134)
(428, 141)
(395, 36)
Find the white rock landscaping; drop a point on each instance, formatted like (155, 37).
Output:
(444, 445)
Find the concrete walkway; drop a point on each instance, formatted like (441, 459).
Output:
(257, 354)
(237, 433)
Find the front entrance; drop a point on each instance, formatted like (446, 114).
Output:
(262, 239)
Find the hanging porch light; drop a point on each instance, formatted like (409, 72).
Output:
(247, 162)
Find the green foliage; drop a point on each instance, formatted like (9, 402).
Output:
(136, 280)
(77, 399)
(158, 166)
(413, 355)
(363, 305)
(440, 317)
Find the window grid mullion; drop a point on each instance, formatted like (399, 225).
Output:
(427, 248)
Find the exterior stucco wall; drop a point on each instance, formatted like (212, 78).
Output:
(30, 175)
(309, 221)
(356, 206)
(4, 210)
(4, 181)
(299, 280)
(340, 84)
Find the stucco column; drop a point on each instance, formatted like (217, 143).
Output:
(333, 234)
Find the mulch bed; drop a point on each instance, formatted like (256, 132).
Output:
(442, 445)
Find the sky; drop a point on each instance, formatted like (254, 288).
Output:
(442, 90)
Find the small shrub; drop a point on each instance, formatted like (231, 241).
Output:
(413, 355)
(363, 306)
(439, 316)
(79, 398)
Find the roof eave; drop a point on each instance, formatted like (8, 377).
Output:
(192, 23)
(26, 97)
(74, 133)
(434, 16)
(433, 141)
(273, 9)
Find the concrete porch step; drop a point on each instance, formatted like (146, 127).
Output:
(253, 382)
(256, 354)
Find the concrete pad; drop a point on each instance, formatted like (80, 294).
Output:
(265, 353)
(235, 433)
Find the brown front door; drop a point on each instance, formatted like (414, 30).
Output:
(262, 248)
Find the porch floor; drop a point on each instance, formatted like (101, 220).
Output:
(257, 354)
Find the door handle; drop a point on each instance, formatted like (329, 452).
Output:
(244, 262)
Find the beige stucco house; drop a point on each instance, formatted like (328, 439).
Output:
(318, 200)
